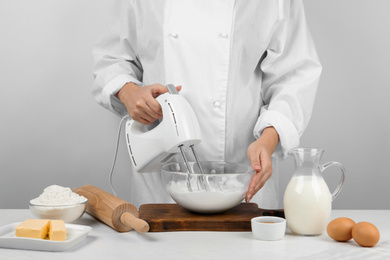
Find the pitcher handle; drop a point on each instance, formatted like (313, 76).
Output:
(338, 188)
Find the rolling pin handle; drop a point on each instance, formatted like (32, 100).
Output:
(137, 224)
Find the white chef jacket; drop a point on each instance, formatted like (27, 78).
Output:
(243, 65)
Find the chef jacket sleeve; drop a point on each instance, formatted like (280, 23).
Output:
(291, 72)
(116, 62)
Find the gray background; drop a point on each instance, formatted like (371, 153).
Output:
(52, 132)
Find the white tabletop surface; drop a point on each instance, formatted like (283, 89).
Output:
(105, 243)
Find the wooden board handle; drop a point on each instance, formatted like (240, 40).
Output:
(137, 224)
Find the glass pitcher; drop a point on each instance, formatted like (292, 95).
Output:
(307, 199)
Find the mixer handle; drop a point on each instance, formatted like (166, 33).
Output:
(172, 89)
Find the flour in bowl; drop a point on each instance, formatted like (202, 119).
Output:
(58, 195)
(57, 202)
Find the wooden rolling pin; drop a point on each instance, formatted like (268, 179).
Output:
(115, 212)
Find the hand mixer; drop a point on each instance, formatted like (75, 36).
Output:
(152, 146)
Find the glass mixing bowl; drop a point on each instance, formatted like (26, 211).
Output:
(68, 213)
(222, 186)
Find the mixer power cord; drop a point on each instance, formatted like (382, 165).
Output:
(116, 152)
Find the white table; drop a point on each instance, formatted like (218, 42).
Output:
(105, 243)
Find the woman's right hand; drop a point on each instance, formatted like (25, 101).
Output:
(141, 103)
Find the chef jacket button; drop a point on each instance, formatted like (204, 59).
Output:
(223, 35)
(173, 35)
(217, 104)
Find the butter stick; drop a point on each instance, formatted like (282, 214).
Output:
(57, 230)
(33, 228)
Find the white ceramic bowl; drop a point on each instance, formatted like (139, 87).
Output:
(68, 213)
(222, 187)
(268, 228)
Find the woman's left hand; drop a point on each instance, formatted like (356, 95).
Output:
(259, 154)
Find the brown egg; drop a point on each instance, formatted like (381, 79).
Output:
(365, 234)
(340, 229)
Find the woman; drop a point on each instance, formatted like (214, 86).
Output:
(249, 69)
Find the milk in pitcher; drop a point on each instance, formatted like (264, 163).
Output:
(307, 205)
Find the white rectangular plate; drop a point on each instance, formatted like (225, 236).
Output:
(74, 235)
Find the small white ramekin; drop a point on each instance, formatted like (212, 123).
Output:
(268, 228)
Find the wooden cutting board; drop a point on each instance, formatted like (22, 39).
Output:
(172, 217)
